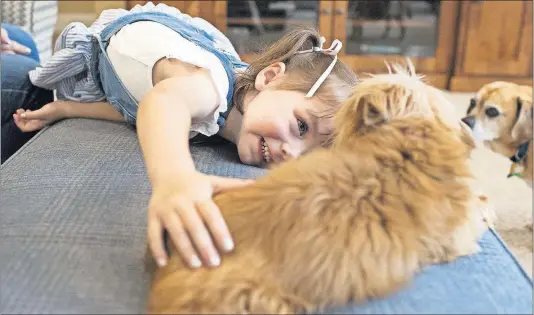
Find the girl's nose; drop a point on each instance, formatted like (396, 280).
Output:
(287, 152)
(276, 129)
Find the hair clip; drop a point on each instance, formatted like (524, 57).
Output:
(334, 49)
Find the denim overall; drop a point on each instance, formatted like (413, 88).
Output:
(115, 91)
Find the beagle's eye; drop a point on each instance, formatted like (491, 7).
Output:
(303, 127)
(492, 112)
(472, 105)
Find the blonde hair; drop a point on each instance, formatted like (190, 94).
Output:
(302, 71)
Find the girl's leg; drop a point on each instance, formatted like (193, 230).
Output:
(18, 92)
(22, 37)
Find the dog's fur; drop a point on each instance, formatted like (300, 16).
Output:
(345, 224)
(512, 126)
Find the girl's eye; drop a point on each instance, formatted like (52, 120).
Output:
(303, 127)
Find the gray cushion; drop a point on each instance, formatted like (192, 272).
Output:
(73, 228)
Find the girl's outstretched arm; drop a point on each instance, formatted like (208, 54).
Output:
(181, 199)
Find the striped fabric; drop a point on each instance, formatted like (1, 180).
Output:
(68, 72)
(35, 17)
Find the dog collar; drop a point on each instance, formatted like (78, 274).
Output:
(520, 153)
(516, 169)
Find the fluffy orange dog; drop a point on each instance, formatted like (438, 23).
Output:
(344, 224)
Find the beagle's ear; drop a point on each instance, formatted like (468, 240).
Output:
(522, 129)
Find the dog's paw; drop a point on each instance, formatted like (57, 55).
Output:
(489, 216)
(487, 211)
(468, 249)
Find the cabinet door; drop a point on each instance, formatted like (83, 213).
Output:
(251, 25)
(495, 39)
(374, 31)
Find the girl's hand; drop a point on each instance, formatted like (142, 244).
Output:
(28, 120)
(184, 207)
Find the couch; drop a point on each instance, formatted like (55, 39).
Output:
(73, 226)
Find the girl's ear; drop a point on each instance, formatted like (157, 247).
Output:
(269, 75)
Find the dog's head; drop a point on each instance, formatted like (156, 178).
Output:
(501, 112)
(382, 98)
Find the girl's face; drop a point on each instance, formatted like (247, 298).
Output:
(278, 124)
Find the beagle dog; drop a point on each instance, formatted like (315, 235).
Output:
(500, 116)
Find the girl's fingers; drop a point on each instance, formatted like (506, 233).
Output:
(215, 221)
(43, 113)
(30, 115)
(33, 125)
(199, 234)
(221, 184)
(155, 242)
(181, 240)
(28, 120)
(19, 122)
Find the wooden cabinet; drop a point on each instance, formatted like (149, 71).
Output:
(494, 43)
(252, 25)
(201, 8)
(459, 45)
(374, 31)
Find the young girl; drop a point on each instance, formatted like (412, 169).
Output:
(175, 77)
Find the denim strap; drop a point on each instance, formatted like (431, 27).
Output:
(186, 30)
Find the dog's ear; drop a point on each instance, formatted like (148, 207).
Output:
(522, 128)
(466, 136)
(371, 111)
(360, 111)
